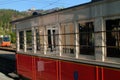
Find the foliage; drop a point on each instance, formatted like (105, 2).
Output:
(13, 37)
(7, 15)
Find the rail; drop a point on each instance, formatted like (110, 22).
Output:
(8, 49)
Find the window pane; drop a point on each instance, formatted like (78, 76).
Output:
(52, 40)
(54, 37)
(7, 38)
(21, 39)
(29, 39)
(113, 38)
(49, 39)
(86, 37)
(37, 40)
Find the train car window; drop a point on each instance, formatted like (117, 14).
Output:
(49, 39)
(37, 39)
(21, 41)
(68, 39)
(6, 38)
(52, 40)
(29, 39)
(86, 38)
(40, 39)
(113, 38)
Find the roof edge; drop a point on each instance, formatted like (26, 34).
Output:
(33, 16)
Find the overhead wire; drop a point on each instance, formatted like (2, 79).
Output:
(49, 2)
(9, 2)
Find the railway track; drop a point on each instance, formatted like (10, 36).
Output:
(8, 49)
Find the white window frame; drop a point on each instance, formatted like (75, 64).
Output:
(56, 52)
(24, 50)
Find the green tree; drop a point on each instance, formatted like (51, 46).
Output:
(7, 15)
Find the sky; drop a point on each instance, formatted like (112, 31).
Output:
(23, 5)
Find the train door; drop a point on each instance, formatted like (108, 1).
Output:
(52, 39)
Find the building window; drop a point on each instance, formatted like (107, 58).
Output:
(21, 39)
(86, 38)
(29, 39)
(68, 39)
(113, 38)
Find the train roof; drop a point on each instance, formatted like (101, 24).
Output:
(33, 16)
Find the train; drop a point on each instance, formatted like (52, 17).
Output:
(76, 43)
(5, 41)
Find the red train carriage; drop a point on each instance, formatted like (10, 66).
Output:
(77, 43)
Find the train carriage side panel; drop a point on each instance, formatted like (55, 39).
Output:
(111, 74)
(24, 65)
(46, 69)
(76, 71)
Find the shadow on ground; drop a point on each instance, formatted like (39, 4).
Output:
(8, 65)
